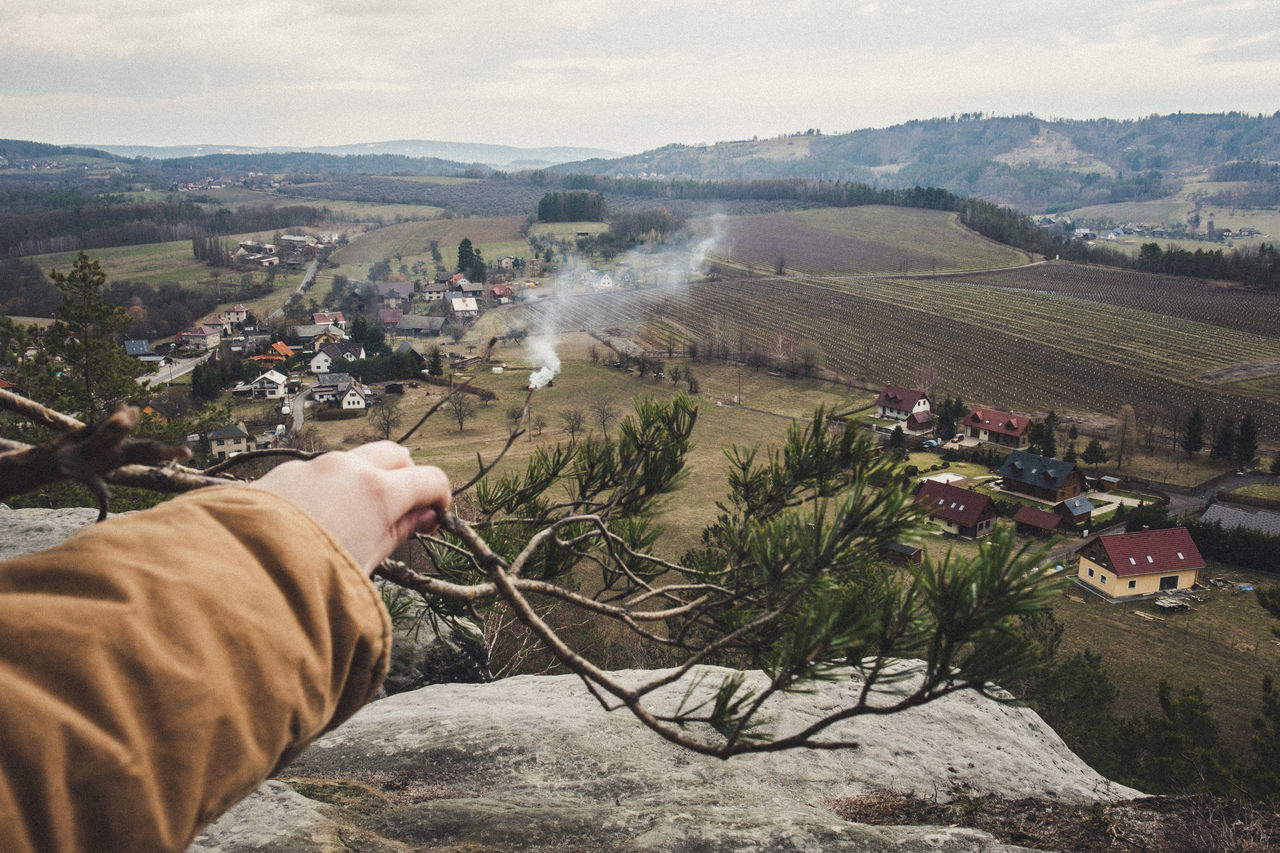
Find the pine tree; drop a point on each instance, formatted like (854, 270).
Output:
(1094, 453)
(1246, 441)
(1192, 439)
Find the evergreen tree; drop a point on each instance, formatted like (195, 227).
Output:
(1246, 441)
(1192, 439)
(93, 373)
(1094, 453)
(435, 362)
(1224, 440)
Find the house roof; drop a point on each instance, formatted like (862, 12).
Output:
(389, 316)
(952, 503)
(283, 349)
(896, 397)
(1033, 470)
(233, 431)
(1037, 518)
(274, 376)
(464, 303)
(394, 289)
(418, 321)
(1229, 517)
(314, 330)
(1147, 552)
(1005, 423)
(919, 421)
(325, 317)
(1077, 507)
(136, 348)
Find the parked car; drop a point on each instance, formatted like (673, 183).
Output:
(959, 437)
(931, 442)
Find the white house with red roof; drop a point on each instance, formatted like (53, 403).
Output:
(1145, 562)
(899, 404)
(995, 427)
(960, 512)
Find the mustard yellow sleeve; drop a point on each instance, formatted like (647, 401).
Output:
(155, 668)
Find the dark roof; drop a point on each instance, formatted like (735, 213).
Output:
(137, 348)
(1260, 520)
(1147, 552)
(919, 421)
(991, 420)
(952, 503)
(1037, 518)
(394, 289)
(895, 397)
(389, 316)
(1078, 506)
(235, 431)
(419, 321)
(1041, 471)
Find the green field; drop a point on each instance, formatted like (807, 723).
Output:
(155, 263)
(494, 237)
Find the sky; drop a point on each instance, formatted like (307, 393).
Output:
(622, 76)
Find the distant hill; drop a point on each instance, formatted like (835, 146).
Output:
(503, 157)
(1031, 163)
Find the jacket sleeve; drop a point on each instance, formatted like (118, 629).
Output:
(157, 667)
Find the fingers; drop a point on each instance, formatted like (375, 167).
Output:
(384, 454)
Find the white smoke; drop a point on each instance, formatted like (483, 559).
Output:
(542, 352)
(668, 266)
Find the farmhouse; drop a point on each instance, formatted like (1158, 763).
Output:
(1003, 428)
(959, 512)
(418, 325)
(340, 390)
(899, 404)
(464, 307)
(327, 354)
(1126, 565)
(434, 291)
(1041, 477)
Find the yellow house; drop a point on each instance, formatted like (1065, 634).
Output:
(1127, 565)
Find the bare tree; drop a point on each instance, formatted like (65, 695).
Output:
(574, 420)
(604, 411)
(385, 415)
(461, 407)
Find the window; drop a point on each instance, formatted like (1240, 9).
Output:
(1133, 584)
(1169, 582)
(1102, 578)
(1091, 573)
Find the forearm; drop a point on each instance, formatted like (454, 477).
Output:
(160, 665)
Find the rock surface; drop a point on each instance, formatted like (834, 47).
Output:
(534, 763)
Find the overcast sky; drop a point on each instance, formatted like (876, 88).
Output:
(624, 76)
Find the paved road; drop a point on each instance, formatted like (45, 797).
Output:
(170, 372)
(1186, 504)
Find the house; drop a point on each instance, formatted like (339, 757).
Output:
(200, 338)
(228, 441)
(418, 325)
(271, 384)
(959, 512)
(327, 354)
(1003, 428)
(233, 316)
(501, 292)
(464, 308)
(283, 350)
(315, 334)
(138, 349)
(1076, 512)
(330, 318)
(898, 404)
(474, 290)
(1029, 521)
(388, 318)
(1041, 477)
(1145, 562)
(434, 291)
(394, 294)
(341, 391)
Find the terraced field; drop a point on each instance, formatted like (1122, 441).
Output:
(1007, 347)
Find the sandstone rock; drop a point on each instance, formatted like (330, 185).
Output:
(534, 763)
(25, 530)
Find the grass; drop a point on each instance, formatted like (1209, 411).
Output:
(1208, 647)
(155, 263)
(1259, 490)
(494, 237)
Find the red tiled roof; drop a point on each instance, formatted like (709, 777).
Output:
(895, 397)
(1005, 423)
(919, 420)
(1037, 518)
(283, 348)
(1146, 552)
(952, 503)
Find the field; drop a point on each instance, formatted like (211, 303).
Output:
(852, 240)
(156, 263)
(999, 344)
(495, 237)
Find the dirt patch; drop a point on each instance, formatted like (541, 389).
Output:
(1241, 372)
(1167, 824)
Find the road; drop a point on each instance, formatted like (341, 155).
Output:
(170, 372)
(307, 278)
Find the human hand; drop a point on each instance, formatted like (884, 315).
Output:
(370, 499)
